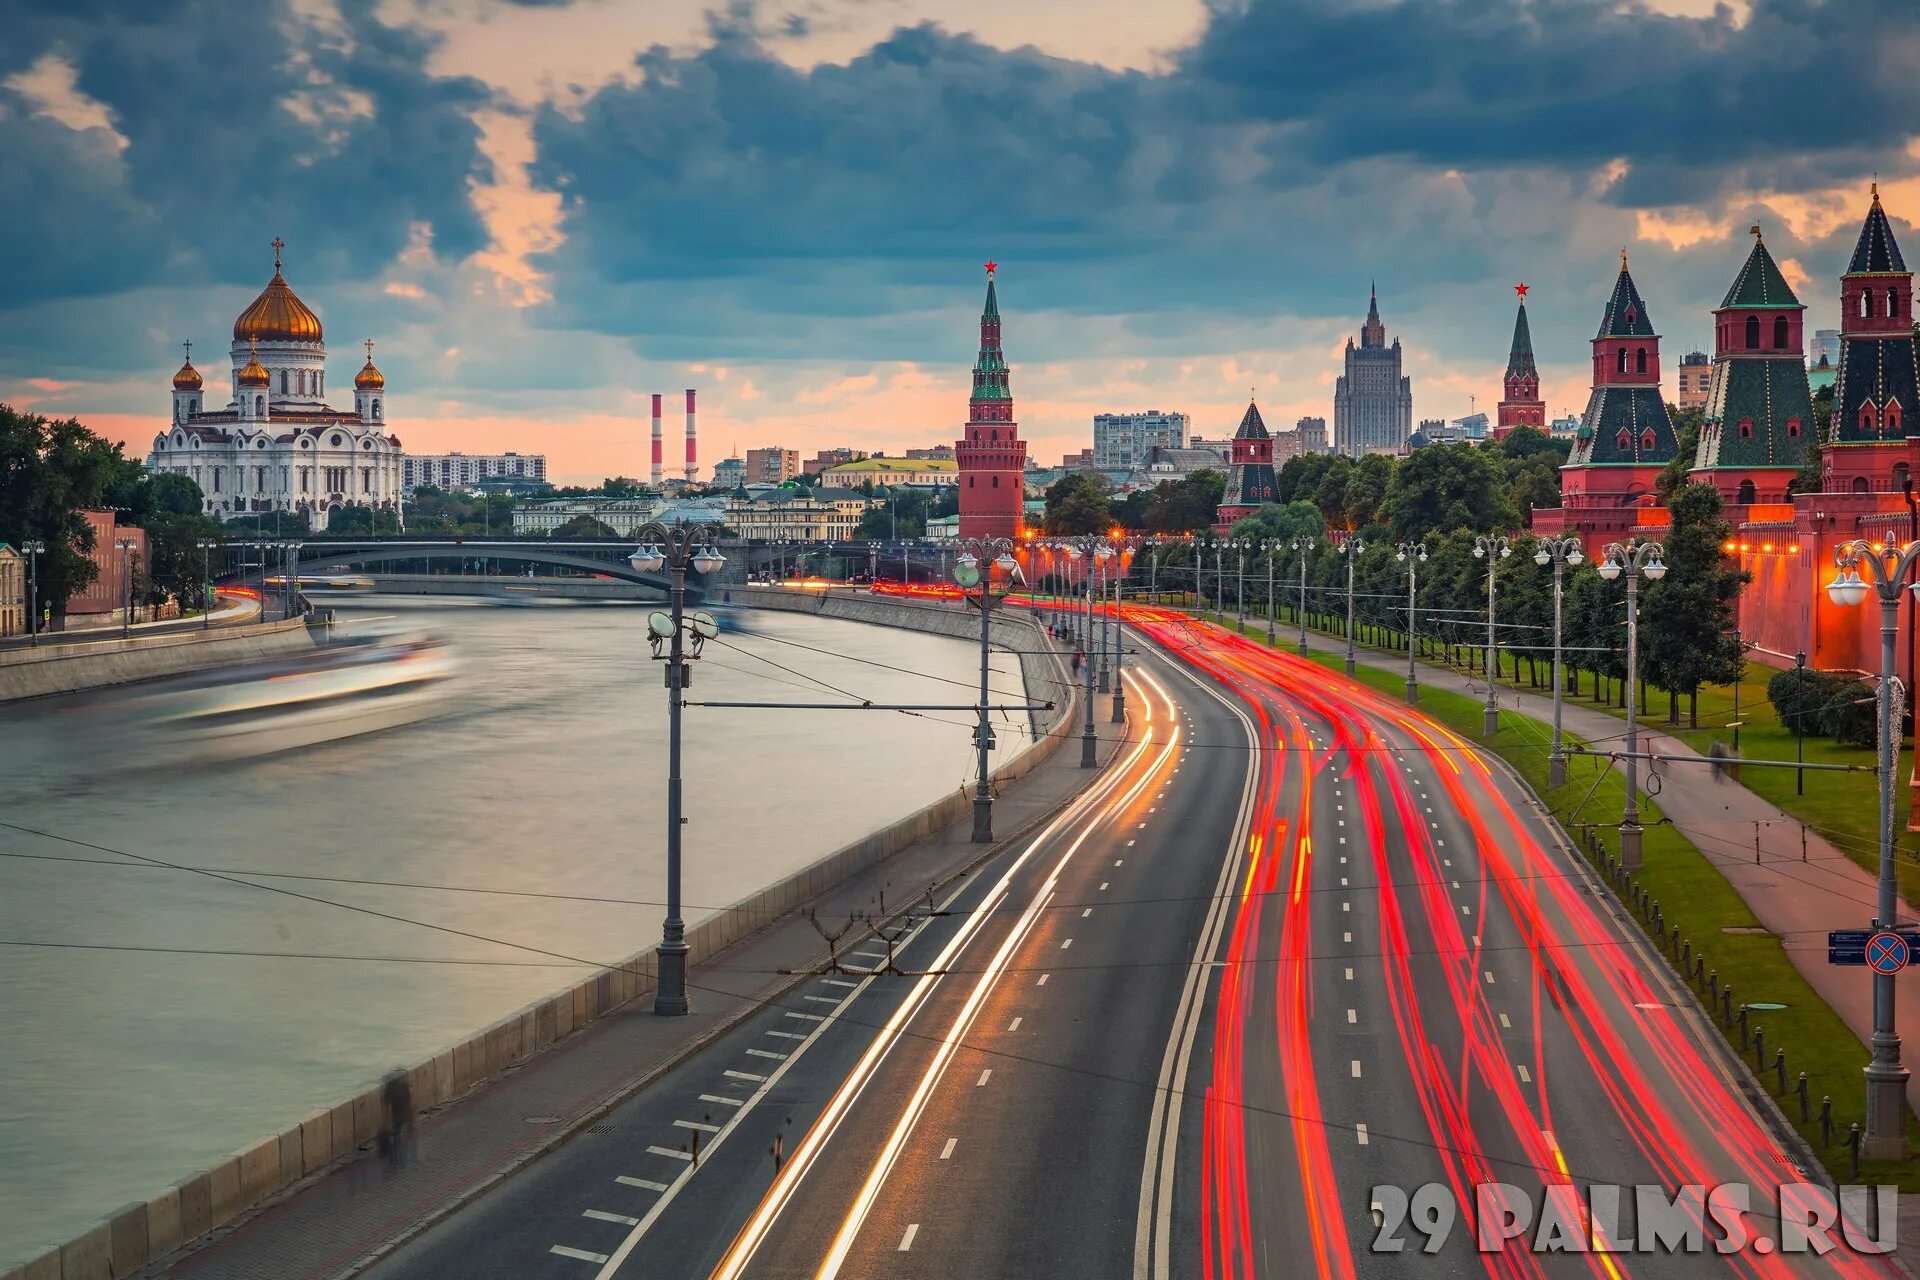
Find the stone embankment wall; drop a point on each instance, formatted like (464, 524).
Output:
(146, 1231)
(57, 666)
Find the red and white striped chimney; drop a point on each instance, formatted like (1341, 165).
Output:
(693, 465)
(659, 446)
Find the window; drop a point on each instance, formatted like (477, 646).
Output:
(1753, 333)
(969, 482)
(216, 479)
(376, 411)
(1624, 440)
(1779, 333)
(1746, 428)
(1867, 421)
(1623, 360)
(1893, 303)
(996, 482)
(1901, 473)
(260, 404)
(1893, 417)
(1646, 440)
(1746, 494)
(1859, 484)
(1866, 304)
(1793, 428)
(1640, 361)
(283, 382)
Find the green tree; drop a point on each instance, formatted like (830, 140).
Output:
(50, 472)
(1531, 442)
(1687, 618)
(1284, 524)
(621, 487)
(1687, 425)
(583, 526)
(1078, 503)
(1300, 476)
(1189, 504)
(1447, 487)
(1366, 491)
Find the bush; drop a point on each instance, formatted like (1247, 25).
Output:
(1801, 697)
(1850, 717)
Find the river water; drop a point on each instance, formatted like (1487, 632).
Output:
(155, 1020)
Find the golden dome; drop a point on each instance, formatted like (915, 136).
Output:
(254, 374)
(369, 378)
(188, 379)
(277, 315)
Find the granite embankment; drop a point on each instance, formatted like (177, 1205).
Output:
(70, 665)
(145, 1231)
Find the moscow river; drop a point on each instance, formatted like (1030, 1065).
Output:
(156, 1020)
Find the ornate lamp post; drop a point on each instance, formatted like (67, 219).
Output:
(206, 546)
(1091, 548)
(1560, 553)
(970, 572)
(1636, 560)
(1240, 546)
(126, 571)
(675, 549)
(1351, 548)
(34, 548)
(1412, 554)
(1119, 709)
(1305, 547)
(1493, 548)
(1889, 566)
(291, 574)
(1098, 574)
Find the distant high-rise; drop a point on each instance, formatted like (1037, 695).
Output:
(1372, 400)
(1122, 440)
(1312, 433)
(1696, 379)
(772, 465)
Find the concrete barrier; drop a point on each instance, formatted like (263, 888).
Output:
(143, 1233)
(68, 667)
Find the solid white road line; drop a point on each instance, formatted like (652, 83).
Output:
(601, 1215)
(906, 1241)
(672, 1153)
(581, 1254)
(946, 1152)
(642, 1183)
(714, 1097)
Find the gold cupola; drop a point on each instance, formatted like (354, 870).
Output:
(254, 374)
(369, 378)
(188, 379)
(277, 315)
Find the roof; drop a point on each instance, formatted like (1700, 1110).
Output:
(1626, 315)
(1249, 485)
(1876, 253)
(1520, 356)
(877, 464)
(1251, 425)
(1767, 393)
(1879, 369)
(1760, 283)
(1633, 409)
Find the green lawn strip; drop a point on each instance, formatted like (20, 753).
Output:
(1695, 896)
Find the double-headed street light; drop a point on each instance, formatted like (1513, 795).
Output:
(1636, 560)
(1305, 547)
(206, 546)
(676, 549)
(1493, 548)
(1413, 555)
(1351, 548)
(970, 571)
(126, 546)
(1560, 553)
(1890, 567)
(1093, 549)
(34, 548)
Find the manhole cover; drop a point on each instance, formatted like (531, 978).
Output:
(540, 1119)
(1762, 1004)
(599, 1128)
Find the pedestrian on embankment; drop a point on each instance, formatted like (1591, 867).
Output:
(396, 1130)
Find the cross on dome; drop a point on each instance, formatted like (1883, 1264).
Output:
(188, 346)
(369, 346)
(278, 245)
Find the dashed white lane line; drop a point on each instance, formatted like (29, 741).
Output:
(871, 955)
(1525, 1076)
(1086, 913)
(1346, 906)
(581, 1254)
(1466, 911)
(1505, 1023)
(1103, 886)
(601, 1215)
(714, 1097)
(805, 1017)
(1456, 884)
(984, 1077)
(1043, 980)
(1067, 943)
(1141, 827)
(696, 1124)
(946, 1152)
(787, 1035)
(1356, 1068)
(1118, 861)
(1343, 882)
(1360, 1133)
(744, 1075)
(1014, 1025)
(906, 1241)
(672, 1153)
(1353, 1016)
(1346, 937)
(1343, 859)
(1349, 975)
(642, 1183)
(839, 982)
(821, 999)
(1489, 974)
(766, 1053)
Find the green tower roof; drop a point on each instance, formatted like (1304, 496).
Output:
(1760, 283)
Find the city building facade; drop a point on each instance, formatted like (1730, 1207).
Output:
(878, 470)
(1312, 433)
(729, 473)
(1122, 440)
(1520, 403)
(624, 516)
(933, 453)
(1373, 399)
(771, 465)
(277, 445)
(826, 458)
(457, 471)
(991, 457)
(105, 598)
(797, 514)
(13, 592)
(1695, 381)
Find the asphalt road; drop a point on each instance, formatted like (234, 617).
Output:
(1296, 946)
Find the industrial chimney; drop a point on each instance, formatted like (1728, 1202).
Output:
(692, 464)
(659, 446)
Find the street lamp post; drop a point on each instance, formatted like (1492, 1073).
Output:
(1635, 560)
(1560, 553)
(1493, 548)
(126, 571)
(1352, 547)
(1091, 548)
(1269, 549)
(1097, 621)
(1412, 554)
(1305, 547)
(1799, 721)
(675, 549)
(1889, 566)
(1119, 710)
(969, 571)
(1240, 582)
(206, 546)
(291, 576)
(34, 548)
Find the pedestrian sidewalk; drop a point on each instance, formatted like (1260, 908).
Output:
(347, 1216)
(1797, 884)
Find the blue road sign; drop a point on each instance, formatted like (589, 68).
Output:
(1887, 953)
(1847, 946)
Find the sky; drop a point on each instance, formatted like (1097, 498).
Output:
(542, 211)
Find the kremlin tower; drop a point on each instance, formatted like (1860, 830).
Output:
(1878, 386)
(1759, 415)
(992, 457)
(1250, 479)
(1521, 405)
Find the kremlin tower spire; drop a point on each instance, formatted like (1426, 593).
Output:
(1877, 389)
(992, 456)
(1521, 405)
(1250, 478)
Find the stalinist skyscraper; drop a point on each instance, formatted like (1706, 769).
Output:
(1372, 400)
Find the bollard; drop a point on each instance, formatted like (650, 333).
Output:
(1686, 955)
(1713, 984)
(1853, 1149)
(1826, 1119)
(1806, 1108)
(1726, 1005)
(1673, 943)
(1780, 1069)
(1759, 1048)
(1746, 1037)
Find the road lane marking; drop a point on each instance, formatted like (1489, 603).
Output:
(766, 1053)
(1466, 911)
(805, 1017)
(744, 1075)
(1346, 937)
(1343, 882)
(871, 955)
(1014, 1025)
(672, 1153)
(906, 1241)
(1353, 1016)
(1086, 913)
(1346, 906)
(1525, 1077)
(1349, 975)
(1360, 1132)
(1064, 945)
(821, 999)
(581, 1254)
(1103, 886)
(838, 982)
(1505, 1023)
(601, 1215)
(696, 1124)
(1489, 977)
(787, 1035)
(946, 1152)
(1043, 980)
(1356, 1068)
(642, 1183)
(984, 1077)
(1456, 884)
(714, 1097)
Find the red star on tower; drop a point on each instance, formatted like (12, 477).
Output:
(991, 266)
(1520, 289)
